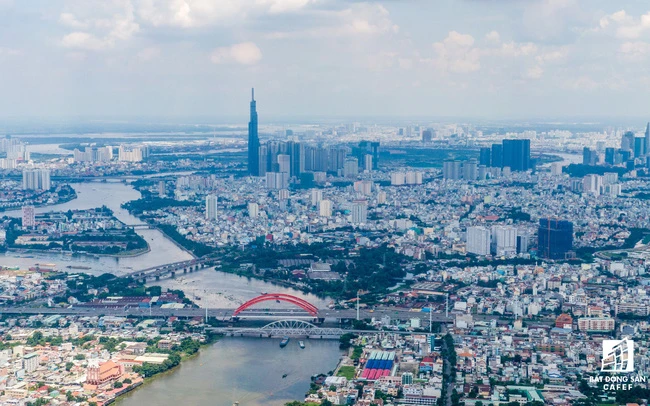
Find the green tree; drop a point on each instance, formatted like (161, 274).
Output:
(35, 338)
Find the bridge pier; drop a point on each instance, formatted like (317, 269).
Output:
(157, 277)
(173, 274)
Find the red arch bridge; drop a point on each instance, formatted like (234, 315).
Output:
(279, 297)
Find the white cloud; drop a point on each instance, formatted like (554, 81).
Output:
(9, 52)
(95, 34)
(245, 53)
(626, 26)
(405, 63)
(534, 72)
(456, 54)
(493, 36)
(69, 19)
(582, 83)
(635, 50)
(199, 13)
(552, 56)
(513, 49)
(84, 40)
(148, 54)
(284, 6)
(361, 20)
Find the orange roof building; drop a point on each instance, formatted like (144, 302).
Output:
(564, 321)
(98, 374)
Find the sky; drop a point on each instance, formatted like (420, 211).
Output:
(325, 58)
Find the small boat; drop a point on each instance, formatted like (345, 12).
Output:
(284, 342)
(284, 376)
(301, 344)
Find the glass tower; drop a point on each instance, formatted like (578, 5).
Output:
(253, 140)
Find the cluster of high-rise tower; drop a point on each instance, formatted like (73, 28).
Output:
(288, 159)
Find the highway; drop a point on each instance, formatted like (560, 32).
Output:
(225, 314)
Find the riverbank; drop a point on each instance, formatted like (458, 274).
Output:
(176, 243)
(65, 200)
(91, 195)
(129, 254)
(247, 370)
(185, 357)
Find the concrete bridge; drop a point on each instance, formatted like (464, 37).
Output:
(171, 270)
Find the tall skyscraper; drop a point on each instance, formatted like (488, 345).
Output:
(647, 139)
(516, 154)
(484, 156)
(610, 155)
(253, 140)
(589, 156)
(555, 238)
(627, 141)
(427, 136)
(371, 148)
(639, 146)
(211, 207)
(497, 156)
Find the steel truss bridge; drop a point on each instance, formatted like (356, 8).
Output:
(281, 328)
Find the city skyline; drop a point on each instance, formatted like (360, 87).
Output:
(495, 59)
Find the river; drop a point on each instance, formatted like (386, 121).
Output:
(111, 195)
(223, 290)
(248, 370)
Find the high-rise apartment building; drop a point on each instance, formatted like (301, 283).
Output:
(316, 196)
(360, 212)
(36, 179)
(29, 217)
(351, 168)
(505, 240)
(211, 207)
(478, 240)
(555, 238)
(253, 210)
(325, 208)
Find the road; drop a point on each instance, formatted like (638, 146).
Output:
(226, 313)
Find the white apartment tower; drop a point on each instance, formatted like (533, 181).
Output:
(211, 207)
(478, 240)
